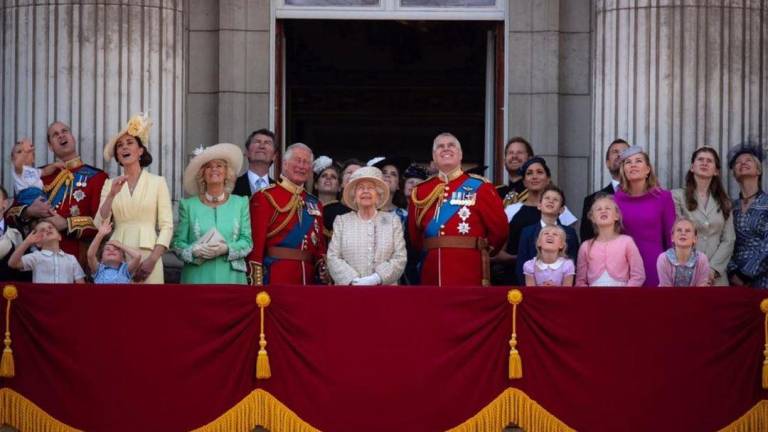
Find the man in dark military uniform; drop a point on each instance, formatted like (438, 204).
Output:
(287, 227)
(516, 153)
(73, 195)
(457, 219)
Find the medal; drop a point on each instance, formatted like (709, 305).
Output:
(74, 210)
(464, 214)
(463, 228)
(78, 195)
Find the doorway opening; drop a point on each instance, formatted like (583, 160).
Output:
(383, 88)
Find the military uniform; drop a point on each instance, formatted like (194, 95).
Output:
(457, 221)
(512, 193)
(75, 193)
(288, 242)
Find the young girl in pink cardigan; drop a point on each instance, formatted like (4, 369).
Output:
(611, 258)
(682, 264)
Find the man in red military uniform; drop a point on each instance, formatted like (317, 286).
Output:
(457, 218)
(72, 193)
(286, 225)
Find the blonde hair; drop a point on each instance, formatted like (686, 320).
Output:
(651, 182)
(618, 225)
(229, 180)
(560, 232)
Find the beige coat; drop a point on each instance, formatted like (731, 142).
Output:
(359, 248)
(715, 234)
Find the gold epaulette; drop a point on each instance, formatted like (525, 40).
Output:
(15, 212)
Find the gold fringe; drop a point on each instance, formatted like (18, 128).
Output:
(7, 366)
(259, 408)
(756, 419)
(21, 413)
(512, 406)
(263, 370)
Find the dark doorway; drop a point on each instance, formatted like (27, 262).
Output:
(370, 88)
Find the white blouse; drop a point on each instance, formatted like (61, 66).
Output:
(360, 248)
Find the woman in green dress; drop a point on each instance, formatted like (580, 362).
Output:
(213, 234)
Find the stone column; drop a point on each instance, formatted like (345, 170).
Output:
(674, 75)
(92, 65)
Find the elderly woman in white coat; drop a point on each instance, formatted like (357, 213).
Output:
(367, 247)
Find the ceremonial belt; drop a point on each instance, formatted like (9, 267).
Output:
(285, 253)
(462, 242)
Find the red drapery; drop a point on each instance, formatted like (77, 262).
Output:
(175, 357)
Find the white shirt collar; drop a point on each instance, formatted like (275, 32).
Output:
(615, 184)
(2, 225)
(554, 266)
(48, 252)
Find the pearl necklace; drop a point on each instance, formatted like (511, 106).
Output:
(215, 199)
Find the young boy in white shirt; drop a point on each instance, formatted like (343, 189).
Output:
(27, 183)
(49, 264)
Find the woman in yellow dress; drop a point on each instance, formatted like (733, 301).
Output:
(138, 201)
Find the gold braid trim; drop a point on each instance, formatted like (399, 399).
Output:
(291, 207)
(426, 203)
(756, 419)
(259, 408)
(63, 178)
(513, 406)
(22, 414)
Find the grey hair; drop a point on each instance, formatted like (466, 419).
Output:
(442, 135)
(289, 151)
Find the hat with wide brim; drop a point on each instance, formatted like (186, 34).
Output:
(371, 174)
(138, 127)
(227, 152)
(752, 148)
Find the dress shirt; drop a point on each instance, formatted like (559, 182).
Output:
(254, 181)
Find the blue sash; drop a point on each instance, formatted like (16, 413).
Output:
(294, 237)
(84, 173)
(447, 210)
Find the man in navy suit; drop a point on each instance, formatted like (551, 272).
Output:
(260, 152)
(612, 162)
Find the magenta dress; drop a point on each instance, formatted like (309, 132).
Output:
(648, 219)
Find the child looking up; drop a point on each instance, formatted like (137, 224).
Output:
(27, 185)
(49, 264)
(118, 261)
(610, 258)
(682, 264)
(550, 267)
(551, 205)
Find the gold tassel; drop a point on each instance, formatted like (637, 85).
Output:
(262, 360)
(514, 297)
(7, 367)
(764, 308)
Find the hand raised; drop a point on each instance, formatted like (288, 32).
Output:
(117, 185)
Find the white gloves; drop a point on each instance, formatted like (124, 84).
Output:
(372, 279)
(207, 252)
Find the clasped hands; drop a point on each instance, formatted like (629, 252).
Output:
(372, 279)
(209, 251)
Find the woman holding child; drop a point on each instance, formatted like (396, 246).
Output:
(138, 201)
(213, 234)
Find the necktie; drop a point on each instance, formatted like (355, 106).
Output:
(260, 184)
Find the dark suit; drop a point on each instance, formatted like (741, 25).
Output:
(243, 186)
(586, 231)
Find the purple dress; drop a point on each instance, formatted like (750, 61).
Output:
(648, 219)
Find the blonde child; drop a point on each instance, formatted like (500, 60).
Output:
(610, 258)
(49, 264)
(682, 264)
(27, 183)
(118, 261)
(550, 267)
